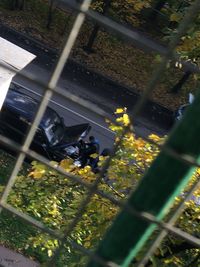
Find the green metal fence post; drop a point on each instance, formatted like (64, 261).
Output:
(156, 192)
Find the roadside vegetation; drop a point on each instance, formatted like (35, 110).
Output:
(50, 23)
(54, 199)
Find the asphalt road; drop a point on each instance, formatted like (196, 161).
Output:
(88, 86)
(73, 112)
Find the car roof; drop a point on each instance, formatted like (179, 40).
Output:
(26, 106)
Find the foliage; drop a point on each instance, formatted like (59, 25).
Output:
(125, 11)
(189, 45)
(54, 199)
(174, 251)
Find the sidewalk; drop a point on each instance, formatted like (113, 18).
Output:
(9, 258)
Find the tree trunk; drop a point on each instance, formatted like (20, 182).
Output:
(177, 87)
(52, 6)
(94, 33)
(21, 7)
(156, 9)
(13, 4)
(17, 4)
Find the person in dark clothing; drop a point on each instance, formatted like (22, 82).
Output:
(91, 147)
(94, 161)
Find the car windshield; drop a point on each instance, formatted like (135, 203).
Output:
(54, 128)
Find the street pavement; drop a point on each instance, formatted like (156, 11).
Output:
(90, 84)
(9, 258)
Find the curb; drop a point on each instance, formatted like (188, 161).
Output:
(92, 80)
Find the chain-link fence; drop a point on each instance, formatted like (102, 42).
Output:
(169, 173)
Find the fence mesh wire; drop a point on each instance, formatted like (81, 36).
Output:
(51, 88)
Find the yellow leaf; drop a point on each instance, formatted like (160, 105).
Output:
(50, 252)
(94, 156)
(119, 119)
(87, 244)
(66, 164)
(101, 158)
(119, 110)
(126, 119)
(54, 163)
(175, 17)
(138, 6)
(38, 173)
(154, 137)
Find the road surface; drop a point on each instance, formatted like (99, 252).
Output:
(74, 113)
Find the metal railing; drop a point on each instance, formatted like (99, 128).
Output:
(132, 213)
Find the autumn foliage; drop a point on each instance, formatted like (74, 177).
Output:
(54, 199)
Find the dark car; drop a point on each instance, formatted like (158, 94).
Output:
(52, 136)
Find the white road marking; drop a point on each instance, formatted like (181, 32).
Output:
(72, 111)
